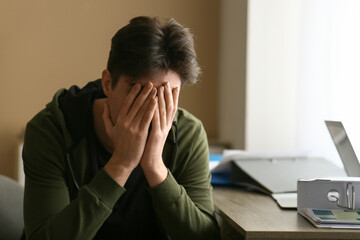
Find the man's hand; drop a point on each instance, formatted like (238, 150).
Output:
(152, 162)
(130, 131)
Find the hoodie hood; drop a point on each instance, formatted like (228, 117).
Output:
(73, 110)
(77, 107)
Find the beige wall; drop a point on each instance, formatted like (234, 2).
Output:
(232, 72)
(46, 45)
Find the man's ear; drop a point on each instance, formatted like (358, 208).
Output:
(106, 82)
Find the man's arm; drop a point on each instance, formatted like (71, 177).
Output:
(185, 208)
(184, 205)
(151, 162)
(48, 213)
(128, 134)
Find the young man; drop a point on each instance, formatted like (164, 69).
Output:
(117, 159)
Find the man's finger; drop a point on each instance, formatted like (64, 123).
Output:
(141, 114)
(162, 107)
(140, 100)
(156, 119)
(107, 119)
(175, 92)
(169, 103)
(149, 114)
(129, 100)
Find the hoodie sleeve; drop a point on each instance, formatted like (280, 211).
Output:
(184, 204)
(48, 212)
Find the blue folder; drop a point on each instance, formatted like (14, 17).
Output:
(222, 178)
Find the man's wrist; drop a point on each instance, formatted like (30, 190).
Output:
(155, 175)
(119, 173)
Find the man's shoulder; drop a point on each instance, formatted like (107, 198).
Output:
(183, 117)
(47, 116)
(49, 120)
(189, 127)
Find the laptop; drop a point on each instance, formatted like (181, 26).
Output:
(344, 148)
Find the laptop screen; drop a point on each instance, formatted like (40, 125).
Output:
(344, 147)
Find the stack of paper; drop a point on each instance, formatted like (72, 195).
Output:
(330, 218)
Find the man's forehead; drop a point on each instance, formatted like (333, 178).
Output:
(157, 80)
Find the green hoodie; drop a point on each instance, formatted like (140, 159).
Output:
(182, 203)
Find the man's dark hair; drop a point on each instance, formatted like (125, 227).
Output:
(147, 46)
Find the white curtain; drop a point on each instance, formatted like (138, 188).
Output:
(303, 68)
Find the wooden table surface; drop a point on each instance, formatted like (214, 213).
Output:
(253, 215)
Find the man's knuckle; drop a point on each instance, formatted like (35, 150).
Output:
(132, 130)
(124, 123)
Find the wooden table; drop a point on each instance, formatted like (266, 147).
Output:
(250, 215)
